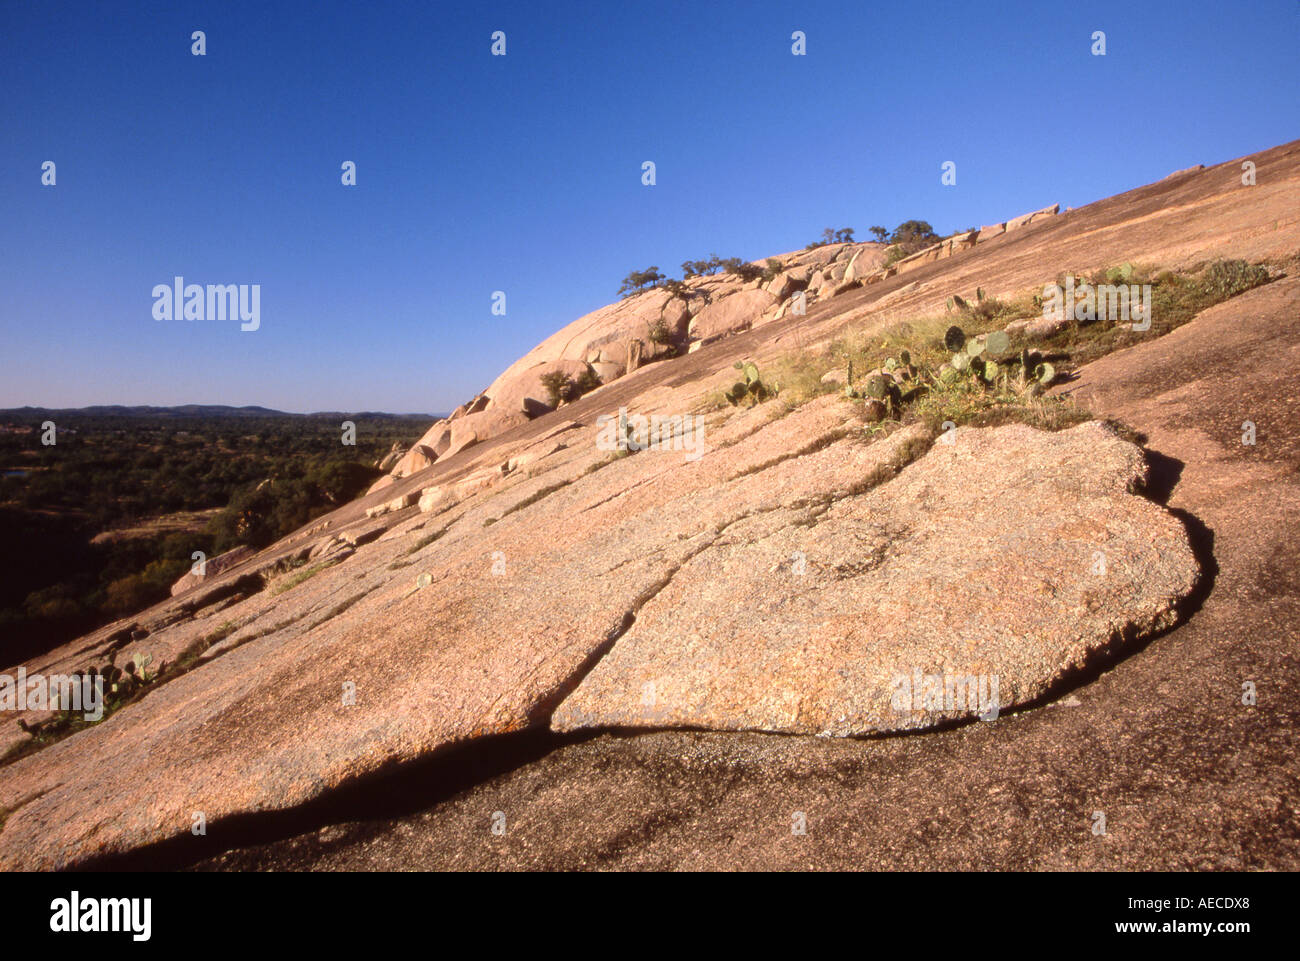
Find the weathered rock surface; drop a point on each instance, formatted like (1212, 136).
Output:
(523, 392)
(730, 315)
(1024, 220)
(473, 428)
(212, 568)
(444, 651)
(418, 458)
(980, 560)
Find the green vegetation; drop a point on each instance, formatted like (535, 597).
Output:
(832, 236)
(658, 333)
(751, 388)
(638, 280)
(289, 583)
(979, 372)
(99, 525)
(910, 237)
(534, 497)
(563, 389)
(425, 541)
(1227, 278)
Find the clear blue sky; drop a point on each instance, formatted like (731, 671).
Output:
(523, 173)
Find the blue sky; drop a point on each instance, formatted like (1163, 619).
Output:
(523, 173)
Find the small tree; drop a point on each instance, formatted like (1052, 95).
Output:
(639, 280)
(914, 235)
(558, 386)
(832, 236)
(881, 233)
(745, 271)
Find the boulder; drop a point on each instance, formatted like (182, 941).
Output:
(1039, 329)
(942, 573)
(213, 567)
(396, 504)
(781, 286)
(475, 428)
(392, 457)
(523, 391)
(864, 262)
(730, 315)
(609, 328)
(416, 459)
(608, 371)
(1024, 220)
(960, 242)
(800, 275)
(819, 256)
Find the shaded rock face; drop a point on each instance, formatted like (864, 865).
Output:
(213, 567)
(523, 391)
(1000, 560)
(473, 428)
(731, 314)
(417, 458)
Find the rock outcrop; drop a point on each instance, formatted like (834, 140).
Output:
(211, 568)
(790, 578)
(1006, 556)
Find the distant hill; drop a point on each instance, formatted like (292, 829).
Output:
(191, 410)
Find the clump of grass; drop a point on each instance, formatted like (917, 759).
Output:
(425, 541)
(289, 583)
(619, 454)
(799, 375)
(533, 498)
(1176, 298)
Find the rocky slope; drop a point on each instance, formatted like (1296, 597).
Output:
(617, 638)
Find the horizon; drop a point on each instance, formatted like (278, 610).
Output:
(522, 173)
(201, 408)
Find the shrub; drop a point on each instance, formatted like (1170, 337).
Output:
(1227, 278)
(639, 280)
(914, 235)
(833, 236)
(745, 271)
(703, 268)
(587, 381)
(659, 333)
(558, 386)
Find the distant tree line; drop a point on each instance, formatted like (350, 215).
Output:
(267, 475)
